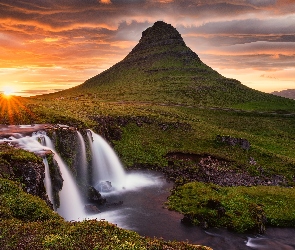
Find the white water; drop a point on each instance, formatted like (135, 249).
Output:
(106, 165)
(47, 181)
(71, 205)
(83, 159)
(48, 142)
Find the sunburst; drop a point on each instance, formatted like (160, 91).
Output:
(13, 110)
(8, 91)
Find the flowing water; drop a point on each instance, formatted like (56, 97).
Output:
(136, 201)
(82, 158)
(106, 164)
(47, 181)
(71, 204)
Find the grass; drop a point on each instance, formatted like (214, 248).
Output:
(238, 208)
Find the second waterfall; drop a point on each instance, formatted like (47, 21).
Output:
(106, 166)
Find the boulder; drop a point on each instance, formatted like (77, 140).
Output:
(91, 209)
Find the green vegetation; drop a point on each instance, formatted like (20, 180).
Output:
(9, 154)
(237, 208)
(16, 204)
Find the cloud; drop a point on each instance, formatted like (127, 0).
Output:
(267, 26)
(262, 2)
(53, 39)
(106, 1)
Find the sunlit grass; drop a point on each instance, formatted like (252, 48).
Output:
(13, 110)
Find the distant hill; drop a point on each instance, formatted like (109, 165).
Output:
(162, 69)
(288, 93)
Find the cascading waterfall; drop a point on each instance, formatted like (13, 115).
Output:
(47, 181)
(48, 141)
(71, 204)
(41, 135)
(108, 174)
(106, 165)
(82, 158)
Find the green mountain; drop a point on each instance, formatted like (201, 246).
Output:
(162, 69)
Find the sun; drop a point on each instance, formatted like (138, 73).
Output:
(8, 91)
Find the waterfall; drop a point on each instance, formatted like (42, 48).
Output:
(47, 181)
(48, 142)
(108, 174)
(106, 165)
(71, 204)
(82, 158)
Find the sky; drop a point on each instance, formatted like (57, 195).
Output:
(50, 45)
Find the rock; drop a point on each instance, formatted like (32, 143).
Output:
(94, 196)
(204, 225)
(187, 219)
(119, 203)
(91, 209)
(30, 173)
(105, 186)
(184, 167)
(232, 141)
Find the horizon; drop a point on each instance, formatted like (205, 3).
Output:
(51, 46)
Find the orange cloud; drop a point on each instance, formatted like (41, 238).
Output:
(106, 1)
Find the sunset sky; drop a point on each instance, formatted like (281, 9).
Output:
(49, 45)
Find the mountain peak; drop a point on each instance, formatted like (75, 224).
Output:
(160, 31)
(159, 35)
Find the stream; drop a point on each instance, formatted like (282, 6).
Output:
(143, 211)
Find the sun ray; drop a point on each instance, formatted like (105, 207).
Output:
(13, 110)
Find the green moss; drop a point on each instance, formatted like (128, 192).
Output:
(23, 206)
(237, 208)
(9, 154)
(90, 234)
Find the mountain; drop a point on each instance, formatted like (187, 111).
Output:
(162, 69)
(288, 93)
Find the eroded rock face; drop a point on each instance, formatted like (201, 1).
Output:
(210, 169)
(29, 172)
(159, 34)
